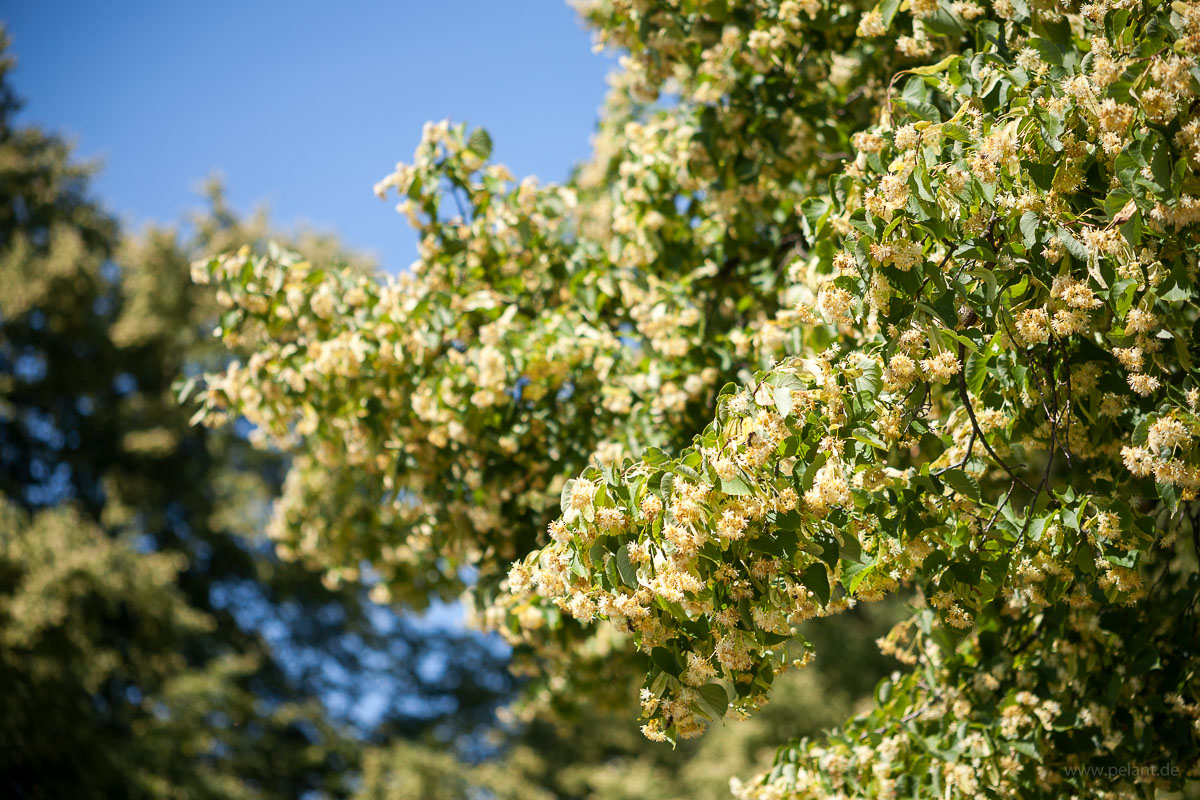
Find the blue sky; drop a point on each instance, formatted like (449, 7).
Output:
(301, 104)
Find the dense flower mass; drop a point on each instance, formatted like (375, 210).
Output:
(886, 297)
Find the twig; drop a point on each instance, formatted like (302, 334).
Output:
(1011, 488)
(965, 458)
(966, 401)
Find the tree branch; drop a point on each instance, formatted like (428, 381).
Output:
(966, 401)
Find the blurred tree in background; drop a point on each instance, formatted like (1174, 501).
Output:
(604, 757)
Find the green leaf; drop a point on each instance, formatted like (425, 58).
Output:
(734, 486)
(789, 521)
(869, 437)
(1075, 247)
(665, 660)
(663, 486)
(783, 400)
(713, 700)
(781, 542)
(1169, 494)
(1042, 174)
(1026, 748)
(887, 9)
(655, 455)
(944, 23)
(810, 472)
(934, 69)
(480, 143)
(626, 568)
(826, 548)
(564, 497)
(610, 572)
(1117, 200)
(976, 372)
(853, 574)
(871, 379)
(1142, 431)
(817, 579)
(1029, 227)
(962, 483)
(577, 566)
(815, 211)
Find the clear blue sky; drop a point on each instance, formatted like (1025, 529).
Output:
(301, 104)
